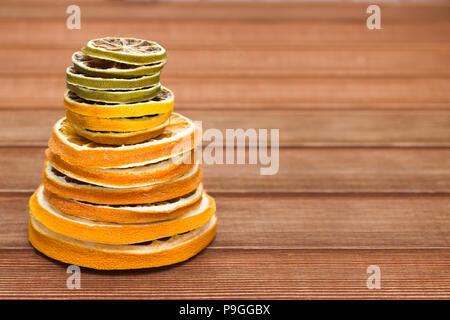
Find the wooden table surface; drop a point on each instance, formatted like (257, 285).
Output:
(364, 119)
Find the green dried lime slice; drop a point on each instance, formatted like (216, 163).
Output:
(115, 96)
(125, 50)
(75, 77)
(111, 69)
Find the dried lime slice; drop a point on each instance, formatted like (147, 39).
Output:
(125, 50)
(115, 96)
(77, 78)
(111, 69)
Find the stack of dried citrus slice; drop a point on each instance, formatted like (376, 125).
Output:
(121, 187)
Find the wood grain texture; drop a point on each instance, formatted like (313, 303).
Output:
(298, 128)
(308, 170)
(223, 11)
(255, 221)
(364, 122)
(240, 93)
(240, 273)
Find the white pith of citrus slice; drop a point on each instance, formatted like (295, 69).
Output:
(137, 213)
(77, 78)
(179, 136)
(118, 257)
(114, 233)
(162, 103)
(111, 69)
(115, 96)
(64, 186)
(125, 50)
(128, 124)
(158, 172)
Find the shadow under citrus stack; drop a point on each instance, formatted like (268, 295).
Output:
(121, 187)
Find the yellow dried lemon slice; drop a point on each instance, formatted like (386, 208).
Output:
(101, 256)
(179, 136)
(115, 96)
(111, 138)
(158, 172)
(117, 124)
(75, 77)
(136, 213)
(125, 50)
(111, 69)
(162, 103)
(114, 233)
(64, 186)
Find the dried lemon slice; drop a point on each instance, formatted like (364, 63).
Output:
(120, 138)
(115, 96)
(75, 77)
(125, 50)
(117, 124)
(162, 103)
(137, 213)
(118, 257)
(179, 136)
(114, 233)
(111, 69)
(158, 172)
(64, 186)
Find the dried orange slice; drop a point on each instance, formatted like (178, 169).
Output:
(114, 233)
(179, 136)
(64, 186)
(117, 124)
(75, 77)
(158, 211)
(162, 103)
(120, 138)
(111, 69)
(125, 50)
(115, 96)
(158, 172)
(115, 257)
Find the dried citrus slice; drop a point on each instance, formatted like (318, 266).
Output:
(64, 186)
(115, 96)
(77, 78)
(117, 124)
(120, 138)
(126, 177)
(125, 50)
(118, 257)
(179, 136)
(114, 233)
(162, 103)
(111, 69)
(163, 210)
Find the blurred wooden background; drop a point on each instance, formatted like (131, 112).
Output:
(364, 119)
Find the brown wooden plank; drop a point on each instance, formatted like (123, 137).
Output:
(230, 35)
(250, 62)
(297, 127)
(33, 92)
(325, 170)
(298, 222)
(251, 274)
(273, 11)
